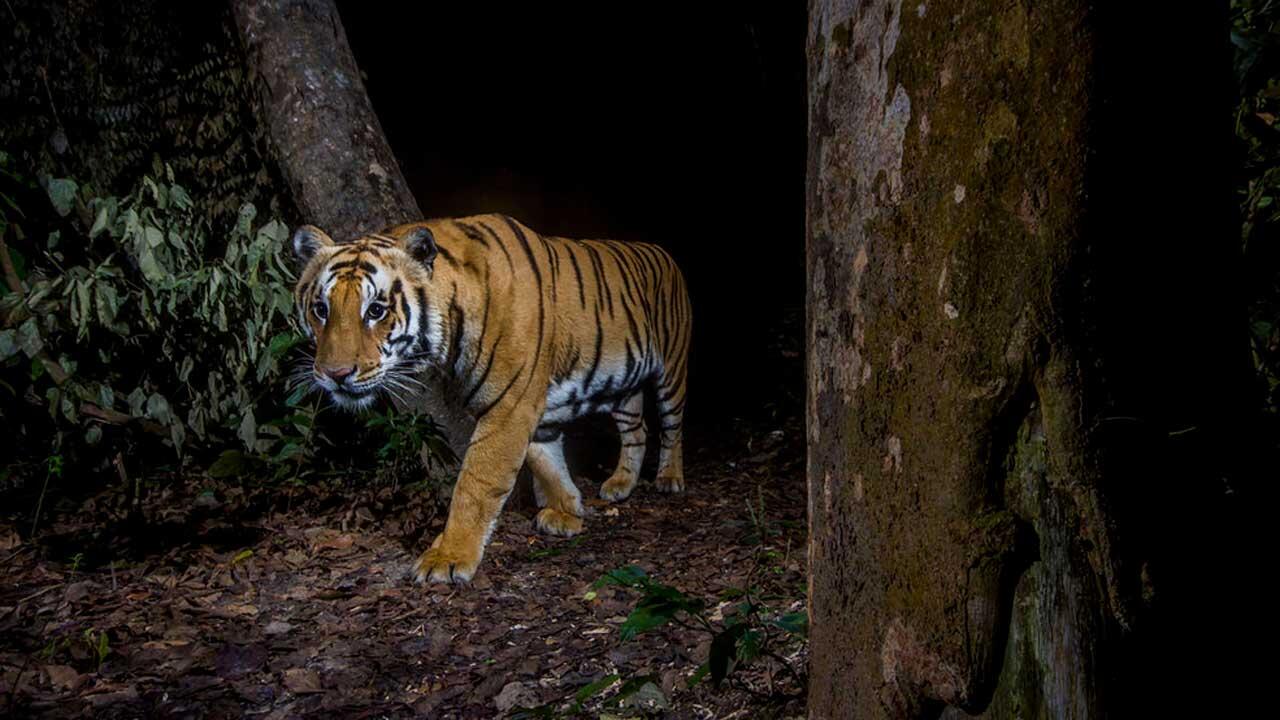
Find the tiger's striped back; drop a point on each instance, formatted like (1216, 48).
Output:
(530, 332)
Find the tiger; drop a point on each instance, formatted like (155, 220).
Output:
(529, 333)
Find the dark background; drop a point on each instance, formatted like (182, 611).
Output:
(678, 125)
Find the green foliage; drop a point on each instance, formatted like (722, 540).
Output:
(744, 635)
(400, 456)
(1256, 38)
(98, 644)
(742, 631)
(148, 320)
(141, 324)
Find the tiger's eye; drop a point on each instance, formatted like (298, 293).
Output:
(321, 310)
(376, 312)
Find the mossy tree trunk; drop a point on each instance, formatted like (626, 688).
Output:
(1025, 356)
(330, 145)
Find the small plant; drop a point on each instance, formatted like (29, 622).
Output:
(748, 632)
(98, 644)
(401, 456)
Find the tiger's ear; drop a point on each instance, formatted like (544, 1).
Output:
(421, 244)
(307, 240)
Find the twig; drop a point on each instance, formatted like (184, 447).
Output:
(35, 521)
(115, 417)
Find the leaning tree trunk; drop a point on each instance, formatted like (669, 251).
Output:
(329, 143)
(1025, 351)
(327, 139)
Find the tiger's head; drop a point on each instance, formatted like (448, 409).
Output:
(364, 305)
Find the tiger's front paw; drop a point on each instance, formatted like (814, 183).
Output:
(448, 562)
(557, 522)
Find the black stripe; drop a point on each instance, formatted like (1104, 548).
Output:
(493, 403)
(501, 245)
(483, 376)
(472, 233)
(484, 328)
(357, 263)
(424, 342)
(537, 276)
(602, 294)
(458, 319)
(595, 361)
(577, 273)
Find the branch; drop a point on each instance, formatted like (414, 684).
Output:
(115, 417)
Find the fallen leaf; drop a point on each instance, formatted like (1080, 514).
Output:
(340, 542)
(241, 610)
(516, 694)
(64, 676)
(300, 681)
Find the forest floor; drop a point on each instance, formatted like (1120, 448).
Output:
(233, 602)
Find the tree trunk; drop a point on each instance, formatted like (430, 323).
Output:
(1026, 353)
(330, 146)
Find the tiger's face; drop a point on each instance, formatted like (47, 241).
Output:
(364, 305)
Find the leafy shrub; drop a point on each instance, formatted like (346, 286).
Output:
(138, 318)
(1256, 37)
(136, 324)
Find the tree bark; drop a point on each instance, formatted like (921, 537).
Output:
(330, 145)
(1026, 355)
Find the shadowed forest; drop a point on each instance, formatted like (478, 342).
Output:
(983, 390)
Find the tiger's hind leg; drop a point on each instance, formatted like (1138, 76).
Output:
(554, 490)
(671, 396)
(630, 421)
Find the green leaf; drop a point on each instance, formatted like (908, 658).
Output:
(248, 432)
(29, 338)
(62, 193)
(158, 409)
(288, 452)
(93, 435)
(106, 396)
(180, 198)
(108, 302)
(151, 269)
(796, 623)
(137, 400)
(628, 576)
(749, 644)
(283, 343)
(647, 616)
(697, 675)
(8, 344)
(586, 692)
(99, 222)
(296, 396)
(230, 463)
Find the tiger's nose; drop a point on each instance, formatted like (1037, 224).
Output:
(337, 374)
